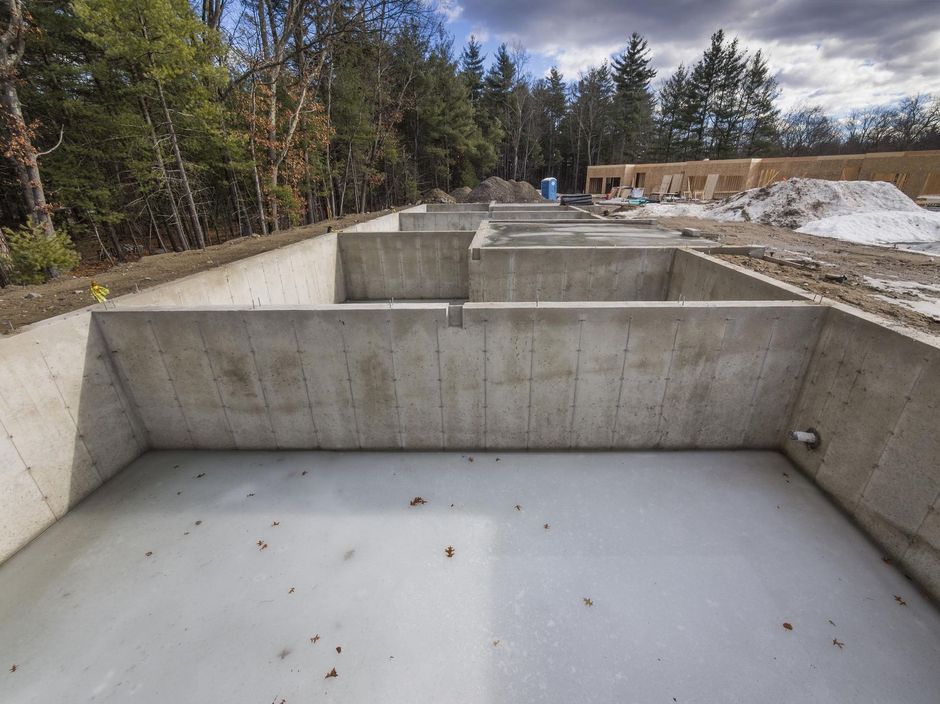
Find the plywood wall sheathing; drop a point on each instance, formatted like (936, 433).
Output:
(710, 183)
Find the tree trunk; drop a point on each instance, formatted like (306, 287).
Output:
(180, 242)
(187, 191)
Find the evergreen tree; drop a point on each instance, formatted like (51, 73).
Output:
(632, 74)
(759, 116)
(471, 68)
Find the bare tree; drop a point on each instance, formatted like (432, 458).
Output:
(20, 149)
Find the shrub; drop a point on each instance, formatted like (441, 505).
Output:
(32, 254)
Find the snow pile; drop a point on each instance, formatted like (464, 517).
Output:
(798, 201)
(885, 227)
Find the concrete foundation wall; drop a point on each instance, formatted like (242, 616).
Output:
(872, 394)
(511, 376)
(457, 207)
(698, 277)
(403, 265)
(570, 274)
(439, 222)
(304, 272)
(65, 424)
(549, 213)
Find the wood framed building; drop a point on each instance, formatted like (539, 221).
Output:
(916, 173)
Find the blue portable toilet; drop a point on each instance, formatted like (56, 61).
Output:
(549, 188)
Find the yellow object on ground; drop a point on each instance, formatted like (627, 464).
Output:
(99, 292)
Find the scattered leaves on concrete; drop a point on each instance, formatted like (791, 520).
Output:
(275, 524)
(497, 459)
(261, 545)
(331, 673)
(250, 495)
(469, 459)
(831, 622)
(290, 591)
(417, 501)
(518, 507)
(148, 553)
(13, 668)
(315, 638)
(788, 626)
(284, 653)
(588, 601)
(838, 643)
(198, 523)
(495, 643)
(304, 473)
(900, 601)
(449, 551)
(200, 476)
(348, 555)
(546, 526)
(339, 648)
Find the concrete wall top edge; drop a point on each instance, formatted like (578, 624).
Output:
(635, 305)
(777, 283)
(431, 305)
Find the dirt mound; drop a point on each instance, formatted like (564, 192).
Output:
(525, 192)
(460, 194)
(798, 201)
(436, 195)
(495, 188)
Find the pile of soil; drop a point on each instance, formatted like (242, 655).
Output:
(525, 192)
(798, 201)
(460, 194)
(436, 195)
(502, 191)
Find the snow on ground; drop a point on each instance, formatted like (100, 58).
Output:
(885, 227)
(924, 298)
(868, 212)
(798, 201)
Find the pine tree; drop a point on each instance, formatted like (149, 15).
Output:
(632, 74)
(672, 122)
(471, 68)
(759, 116)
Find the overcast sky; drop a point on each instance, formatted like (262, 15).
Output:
(841, 54)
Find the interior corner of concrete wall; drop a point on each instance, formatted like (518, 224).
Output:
(879, 424)
(698, 276)
(300, 273)
(65, 424)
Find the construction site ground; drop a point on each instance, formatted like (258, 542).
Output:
(831, 260)
(22, 305)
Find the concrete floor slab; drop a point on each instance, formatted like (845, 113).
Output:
(237, 577)
(581, 233)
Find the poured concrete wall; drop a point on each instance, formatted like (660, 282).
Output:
(457, 207)
(538, 215)
(439, 222)
(511, 376)
(872, 393)
(305, 272)
(698, 277)
(403, 265)
(570, 274)
(65, 424)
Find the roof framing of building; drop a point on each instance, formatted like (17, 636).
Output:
(916, 173)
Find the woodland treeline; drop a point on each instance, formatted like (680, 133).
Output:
(165, 124)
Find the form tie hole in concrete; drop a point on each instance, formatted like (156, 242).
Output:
(809, 437)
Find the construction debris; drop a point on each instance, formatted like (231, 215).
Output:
(502, 191)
